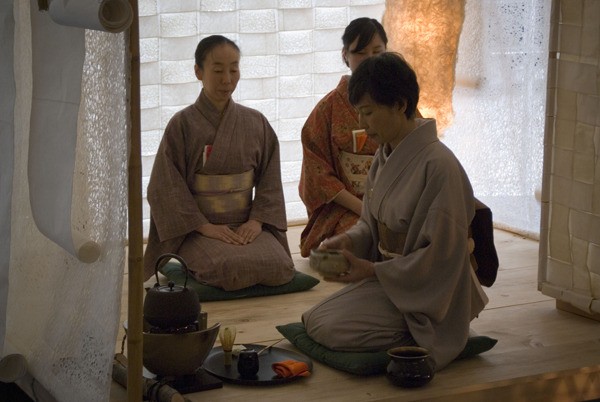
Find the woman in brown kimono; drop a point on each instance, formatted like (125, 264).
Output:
(410, 276)
(335, 162)
(215, 190)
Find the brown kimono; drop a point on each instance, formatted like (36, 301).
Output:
(243, 142)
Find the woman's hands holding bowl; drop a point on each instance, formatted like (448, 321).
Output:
(356, 269)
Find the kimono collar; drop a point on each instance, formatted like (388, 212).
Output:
(392, 165)
(209, 111)
(424, 133)
(342, 86)
(342, 90)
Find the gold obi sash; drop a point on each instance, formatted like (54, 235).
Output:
(224, 198)
(356, 167)
(391, 244)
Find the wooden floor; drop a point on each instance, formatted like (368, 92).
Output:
(543, 353)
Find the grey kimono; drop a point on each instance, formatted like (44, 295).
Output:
(414, 226)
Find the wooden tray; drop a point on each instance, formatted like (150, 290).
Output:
(266, 376)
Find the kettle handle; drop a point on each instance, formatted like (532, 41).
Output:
(178, 258)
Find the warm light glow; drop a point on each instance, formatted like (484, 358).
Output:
(426, 32)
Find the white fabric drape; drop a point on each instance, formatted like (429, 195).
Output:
(101, 15)
(57, 59)
(57, 64)
(499, 107)
(62, 314)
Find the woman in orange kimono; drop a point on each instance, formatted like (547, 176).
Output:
(336, 158)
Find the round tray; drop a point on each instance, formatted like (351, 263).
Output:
(265, 376)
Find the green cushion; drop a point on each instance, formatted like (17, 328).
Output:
(300, 282)
(476, 345)
(362, 363)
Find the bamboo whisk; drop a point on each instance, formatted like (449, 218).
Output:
(227, 338)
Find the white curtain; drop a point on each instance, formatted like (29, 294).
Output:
(61, 313)
(499, 107)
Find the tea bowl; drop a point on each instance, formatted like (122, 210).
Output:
(410, 366)
(328, 262)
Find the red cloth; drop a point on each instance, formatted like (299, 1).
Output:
(290, 368)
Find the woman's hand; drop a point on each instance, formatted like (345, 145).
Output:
(249, 231)
(338, 242)
(220, 232)
(358, 270)
(349, 201)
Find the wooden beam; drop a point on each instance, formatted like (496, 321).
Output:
(135, 255)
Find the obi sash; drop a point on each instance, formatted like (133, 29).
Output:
(356, 167)
(480, 243)
(224, 199)
(391, 244)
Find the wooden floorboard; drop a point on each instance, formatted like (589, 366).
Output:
(542, 354)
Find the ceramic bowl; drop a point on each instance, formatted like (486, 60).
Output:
(410, 366)
(328, 262)
(178, 354)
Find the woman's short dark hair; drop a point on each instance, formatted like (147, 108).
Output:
(388, 79)
(364, 29)
(209, 43)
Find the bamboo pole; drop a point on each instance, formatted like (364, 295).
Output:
(135, 277)
(153, 390)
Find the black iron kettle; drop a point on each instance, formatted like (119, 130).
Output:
(171, 306)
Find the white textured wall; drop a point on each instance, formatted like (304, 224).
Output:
(570, 238)
(291, 57)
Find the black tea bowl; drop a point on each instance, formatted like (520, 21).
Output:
(410, 366)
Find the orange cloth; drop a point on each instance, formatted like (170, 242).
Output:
(290, 368)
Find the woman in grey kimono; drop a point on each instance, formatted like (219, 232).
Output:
(410, 277)
(215, 190)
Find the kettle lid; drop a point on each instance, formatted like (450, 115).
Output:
(169, 287)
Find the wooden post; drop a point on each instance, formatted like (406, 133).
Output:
(136, 277)
(151, 389)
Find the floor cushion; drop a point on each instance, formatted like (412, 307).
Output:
(174, 272)
(363, 363)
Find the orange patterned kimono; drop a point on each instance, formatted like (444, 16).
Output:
(326, 134)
